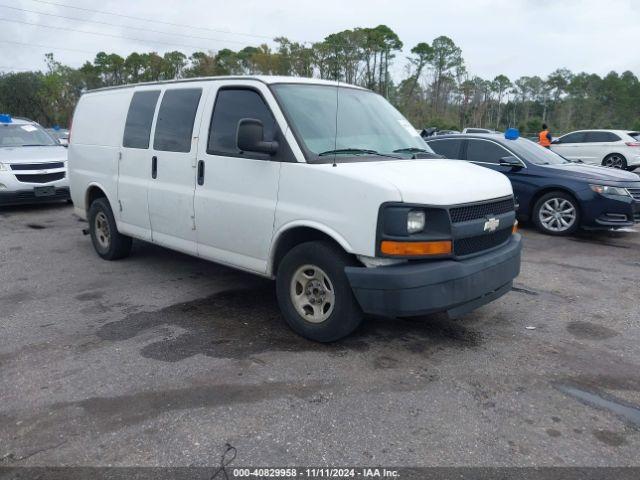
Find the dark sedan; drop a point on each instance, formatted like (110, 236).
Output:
(559, 196)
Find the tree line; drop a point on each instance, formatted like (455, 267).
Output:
(435, 88)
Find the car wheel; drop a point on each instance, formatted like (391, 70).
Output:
(107, 241)
(557, 213)
(314, 293)
(615, 160)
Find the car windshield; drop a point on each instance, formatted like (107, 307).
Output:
(340, 122)
(537, 154)
(26, 135)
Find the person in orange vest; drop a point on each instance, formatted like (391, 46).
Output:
(544, 137)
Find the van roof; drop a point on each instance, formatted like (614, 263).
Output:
(266, 79)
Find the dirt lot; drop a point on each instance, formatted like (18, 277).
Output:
(160, 359)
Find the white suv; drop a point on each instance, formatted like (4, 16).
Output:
(610, 148)
(324, 187)
(33, 166)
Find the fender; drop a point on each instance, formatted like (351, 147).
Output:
(337, 237)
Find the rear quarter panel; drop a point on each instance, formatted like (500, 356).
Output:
(98, 124)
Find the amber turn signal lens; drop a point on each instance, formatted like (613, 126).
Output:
(515, 227)
(415, 249)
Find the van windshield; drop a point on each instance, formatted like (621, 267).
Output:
(24, 135)
(345, 123)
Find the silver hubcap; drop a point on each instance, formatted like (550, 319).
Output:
(312, 294)
(614, 161)
(557, 214)
(103, 234)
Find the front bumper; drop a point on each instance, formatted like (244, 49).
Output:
(26, 197)
(606, 212)
(455, 287)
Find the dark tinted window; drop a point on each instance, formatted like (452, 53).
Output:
(139, 119)
(485, 151)
(174, 127)
(576, 137)
(634, 135)
(593, 137)
(231, 106)
(446, 148)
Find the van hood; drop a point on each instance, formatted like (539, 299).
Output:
(432, 182)
(52, 153)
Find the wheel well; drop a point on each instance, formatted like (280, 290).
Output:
(93, 194)
(296, 236)
(539, 194)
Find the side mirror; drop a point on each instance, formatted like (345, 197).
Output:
(555, 140)
(511, 161)
(250, 137)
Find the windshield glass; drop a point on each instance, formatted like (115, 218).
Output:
(24, 136)
(538, 154)
(347, 122)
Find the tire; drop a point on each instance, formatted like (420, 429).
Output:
(615, 160)
(545, 209)
(107, 241)
(313, 272)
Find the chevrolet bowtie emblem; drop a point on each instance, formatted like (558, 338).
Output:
(491, 224)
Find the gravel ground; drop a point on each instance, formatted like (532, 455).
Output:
(160, 359)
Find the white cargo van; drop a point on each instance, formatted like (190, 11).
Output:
(324, 187)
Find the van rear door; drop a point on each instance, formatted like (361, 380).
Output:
(134, 169)
(173, 164)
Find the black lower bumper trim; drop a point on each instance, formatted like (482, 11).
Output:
(456, 287)
(26, 197)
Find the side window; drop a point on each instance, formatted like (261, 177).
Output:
(449, 148)
(174, 127)
(593, 137)
(485, 151)
(576, 137)
(137, 128)
(232, 105)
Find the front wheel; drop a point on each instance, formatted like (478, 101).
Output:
(615, 160)
(107, 241)
(314, 293)
(557, 213)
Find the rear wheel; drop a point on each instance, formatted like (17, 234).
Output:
(314, 293)
(107, 241)
(557, 213)
(615, 160)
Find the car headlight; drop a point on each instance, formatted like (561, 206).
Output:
(609, 190)
(415, 221)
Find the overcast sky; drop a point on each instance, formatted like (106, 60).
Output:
(513, 37)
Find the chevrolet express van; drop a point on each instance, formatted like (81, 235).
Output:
(324, 187)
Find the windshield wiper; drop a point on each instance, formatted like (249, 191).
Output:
(355, 151)
(416, 150)
(36, 145)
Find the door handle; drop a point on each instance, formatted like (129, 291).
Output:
(201, 172)
(154, 167)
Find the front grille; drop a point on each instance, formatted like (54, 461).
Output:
(481, 210)
(36, 166)
(469, 245)
(41, 178)
(634, 192)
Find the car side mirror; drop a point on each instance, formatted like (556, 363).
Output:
(555, 140)
(250, 137)
(512, 162)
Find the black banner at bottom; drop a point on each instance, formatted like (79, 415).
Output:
(288, 473)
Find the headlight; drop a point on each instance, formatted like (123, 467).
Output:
(3, 167)
(609, 190)
(415, 221)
